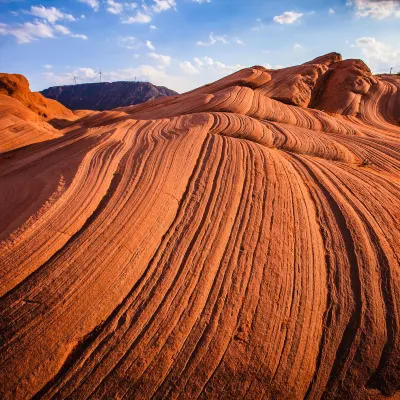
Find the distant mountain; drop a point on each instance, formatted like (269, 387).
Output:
(106, 95)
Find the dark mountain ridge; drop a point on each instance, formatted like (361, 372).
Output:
(103, 96)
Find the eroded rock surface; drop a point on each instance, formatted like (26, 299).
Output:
(238, 241)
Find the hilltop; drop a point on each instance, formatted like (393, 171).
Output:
(106, 95)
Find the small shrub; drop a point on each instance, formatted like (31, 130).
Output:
(365, 162)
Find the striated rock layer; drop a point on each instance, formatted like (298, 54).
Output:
(239, 241)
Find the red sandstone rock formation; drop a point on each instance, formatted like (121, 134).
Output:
(27, 117)
(238, 241)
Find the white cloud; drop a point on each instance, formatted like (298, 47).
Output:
(52, 79)
(288, 17)
(238, 41)
(86, 72)
(150, 45)
(47, 66)
(160, 59)
(380, 54)
(297, 46)
(188, 68)
(62, 29)
(163, 5)
(143, 16)
(139, 18)
(208, 62)
(214, 40)
(92, 3)
(129, 42)
(50, 14)
(114, 7)
(198, 62)
(377, 9)
(65, 31)
(130, 6)
(78, 36)
(331, 11)
(28, 31)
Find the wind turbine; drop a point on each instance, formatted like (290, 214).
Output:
(74, 78)
(391, 69)
(100, 73)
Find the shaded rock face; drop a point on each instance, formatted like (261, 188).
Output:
(241, 240)
(17, 86)
(26, 117)
(106, 96)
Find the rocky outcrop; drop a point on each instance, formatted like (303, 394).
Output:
(241, 240)
(27, 117)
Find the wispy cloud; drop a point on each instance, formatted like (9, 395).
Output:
(27, 32)
(379, 54)
(50, 14)
(208, 62)
(160, 59)
(144, 11)
(214, 40)
(30, 31)
(92, 3)
(45, 25)
(65, 31)
(377, 9)
(288, 17)
(150, 45)
(139, 18)
(163, 5)
(188, 68)
(114, 7)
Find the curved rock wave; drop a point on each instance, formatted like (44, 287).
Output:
(237, 241)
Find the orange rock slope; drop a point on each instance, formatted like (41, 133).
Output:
(240, 241)
(27, 117)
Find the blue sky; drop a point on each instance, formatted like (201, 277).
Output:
(183, 44)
